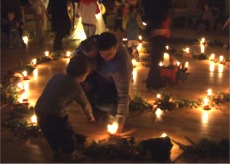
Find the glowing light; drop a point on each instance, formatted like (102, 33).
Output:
(47, 53)
(212, 57)
(35, 73)
(202, 45)
(144, 23)
(68, 54)
(26, 85)
(134, 74)
(34, 61)
(25, 39)
(167, 47)
(158, 113)
(209, 92)
(158, 96)
(186, 64)
(140, 37)
(20, 86)
(112, 128)
(221, 68)
(134, 62)
(139, 47)
(164, 135)
(161, 64)
(221, 58)
(212, 66)
(33, 119)
(206, 101)
(187, 50)
(124, 39)
(166, 59)
(178, 63)
(24, 73)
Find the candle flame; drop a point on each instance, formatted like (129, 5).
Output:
(34, 61)
(187, 50)
(68, 54)
(25, 39)
(47, 53)
(134, 62)
(144, 23)
(164, 135)
(178, 63)
(112, 128)
(186, 64)
(161, 64)
(139, 47)
(212, 57)
(124, 39)
(24, 73)
(34, 119)
(167, 47)
(158, 113)
(206, 101)
(209, 92)
(140, 37)
(158, 96)
(221, 58)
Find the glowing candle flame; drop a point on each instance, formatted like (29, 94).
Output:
(212, 57)
(161, 64)
(144, 23)
(34, 61)
(134, 74)
(47, 53)
(33, 119)
(209, 92)
(124, 39)
(24, 73)
(68, 54)
(140, 37)
(26, 85)
(202, 46)
(206, 101)
(164, 135)
(134, 62)
(187, 50)
(178, 63)
(112, 128)
(158, 96)
(186, 64)
(221, 58)
(139, 47)
(25, 39)
(158, 113)
(167, 47)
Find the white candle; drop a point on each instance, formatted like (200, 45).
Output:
(158, 113)
(166, 59)
(202, 45)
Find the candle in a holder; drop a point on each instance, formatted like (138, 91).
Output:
(112, 128)
(202, 45)
(25, 77)
(140, 37)
(25, 39)
(68, 54)
(212, 57)
(166, 60)
(206, 103)
(34, 62)
(47, 53)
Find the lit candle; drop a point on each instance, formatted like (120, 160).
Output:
(209, 92)
(178, 63)
(112, 128)
(186, 64)
(158, 96)
(35, 73)
(34, 62)
(144, 23)
(212, 57)
(221, 59)
(158, 113)
(68, 54)
(202, 45)
(140, 37)
(25, 77)
(124, 39)
(187, 50)
(33, 119)
(134, 73)
(167, 47)
(139, 47)
(164, 135)
(47, 53)
(25, 39)
(166, 60)
(134, 62)
(161, 64)
(206, 103)
(25, 97)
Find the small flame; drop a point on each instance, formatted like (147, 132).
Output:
(209, 92)
(134, 62)
(161, 64)
(158, 96)
(158, 113)
(68, 54)
(124, 39)
(112, 128)
(47, 53)
(164, 135)
(24, 73)
(139, 47)
(212, 57)
(25, 39)
(34, 61)
(187, 50)
(140, 37)
(34, 119)
(186, 64)
(144, 23)
(221, 58)
(178, 63)
(206, 101)
(167, 47)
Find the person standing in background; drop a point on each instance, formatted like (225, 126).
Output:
(87, 10)
(157, 16)
(60, 21)
(39, 9)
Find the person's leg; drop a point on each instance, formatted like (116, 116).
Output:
(86, 30)
(158, 44)
(92, 30)
(57, 46)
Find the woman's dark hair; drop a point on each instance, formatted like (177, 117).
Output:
(89, 44)
(106, 40)
(78, 65)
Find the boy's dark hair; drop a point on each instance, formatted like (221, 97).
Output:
(89, 44)
(106, 41)
(78, 65)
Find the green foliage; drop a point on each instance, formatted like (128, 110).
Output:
(43, 59)
(221, 97)
(138, 103)
(9, 93)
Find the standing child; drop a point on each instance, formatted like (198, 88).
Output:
(13, 26)
(60, 91)
(131, 23)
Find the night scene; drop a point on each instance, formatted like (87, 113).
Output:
(115, 81)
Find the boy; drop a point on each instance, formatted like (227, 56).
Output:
(60, 91)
